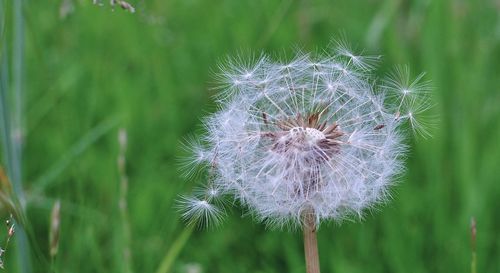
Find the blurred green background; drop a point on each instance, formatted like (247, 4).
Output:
(83, 71)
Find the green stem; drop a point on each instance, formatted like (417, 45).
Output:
(174, 250)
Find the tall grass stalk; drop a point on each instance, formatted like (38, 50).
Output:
(49, 176)
(54, 233)
(473, 231)
(122, 203)
(11, 121)
(175, 249)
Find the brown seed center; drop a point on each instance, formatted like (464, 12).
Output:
(316, 140)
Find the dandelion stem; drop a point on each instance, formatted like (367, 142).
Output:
(310, 243)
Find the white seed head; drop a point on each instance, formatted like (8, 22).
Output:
(308, 135)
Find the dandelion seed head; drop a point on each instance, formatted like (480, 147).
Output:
(308, 135)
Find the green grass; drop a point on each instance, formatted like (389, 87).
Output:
(151, 72)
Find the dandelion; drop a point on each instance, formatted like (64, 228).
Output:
(306, 141)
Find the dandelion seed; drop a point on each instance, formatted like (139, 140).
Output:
(199, 212)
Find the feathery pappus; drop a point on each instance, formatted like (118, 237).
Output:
(319, 136)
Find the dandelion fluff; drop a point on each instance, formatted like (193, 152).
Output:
(199, 212)
(316, 136)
